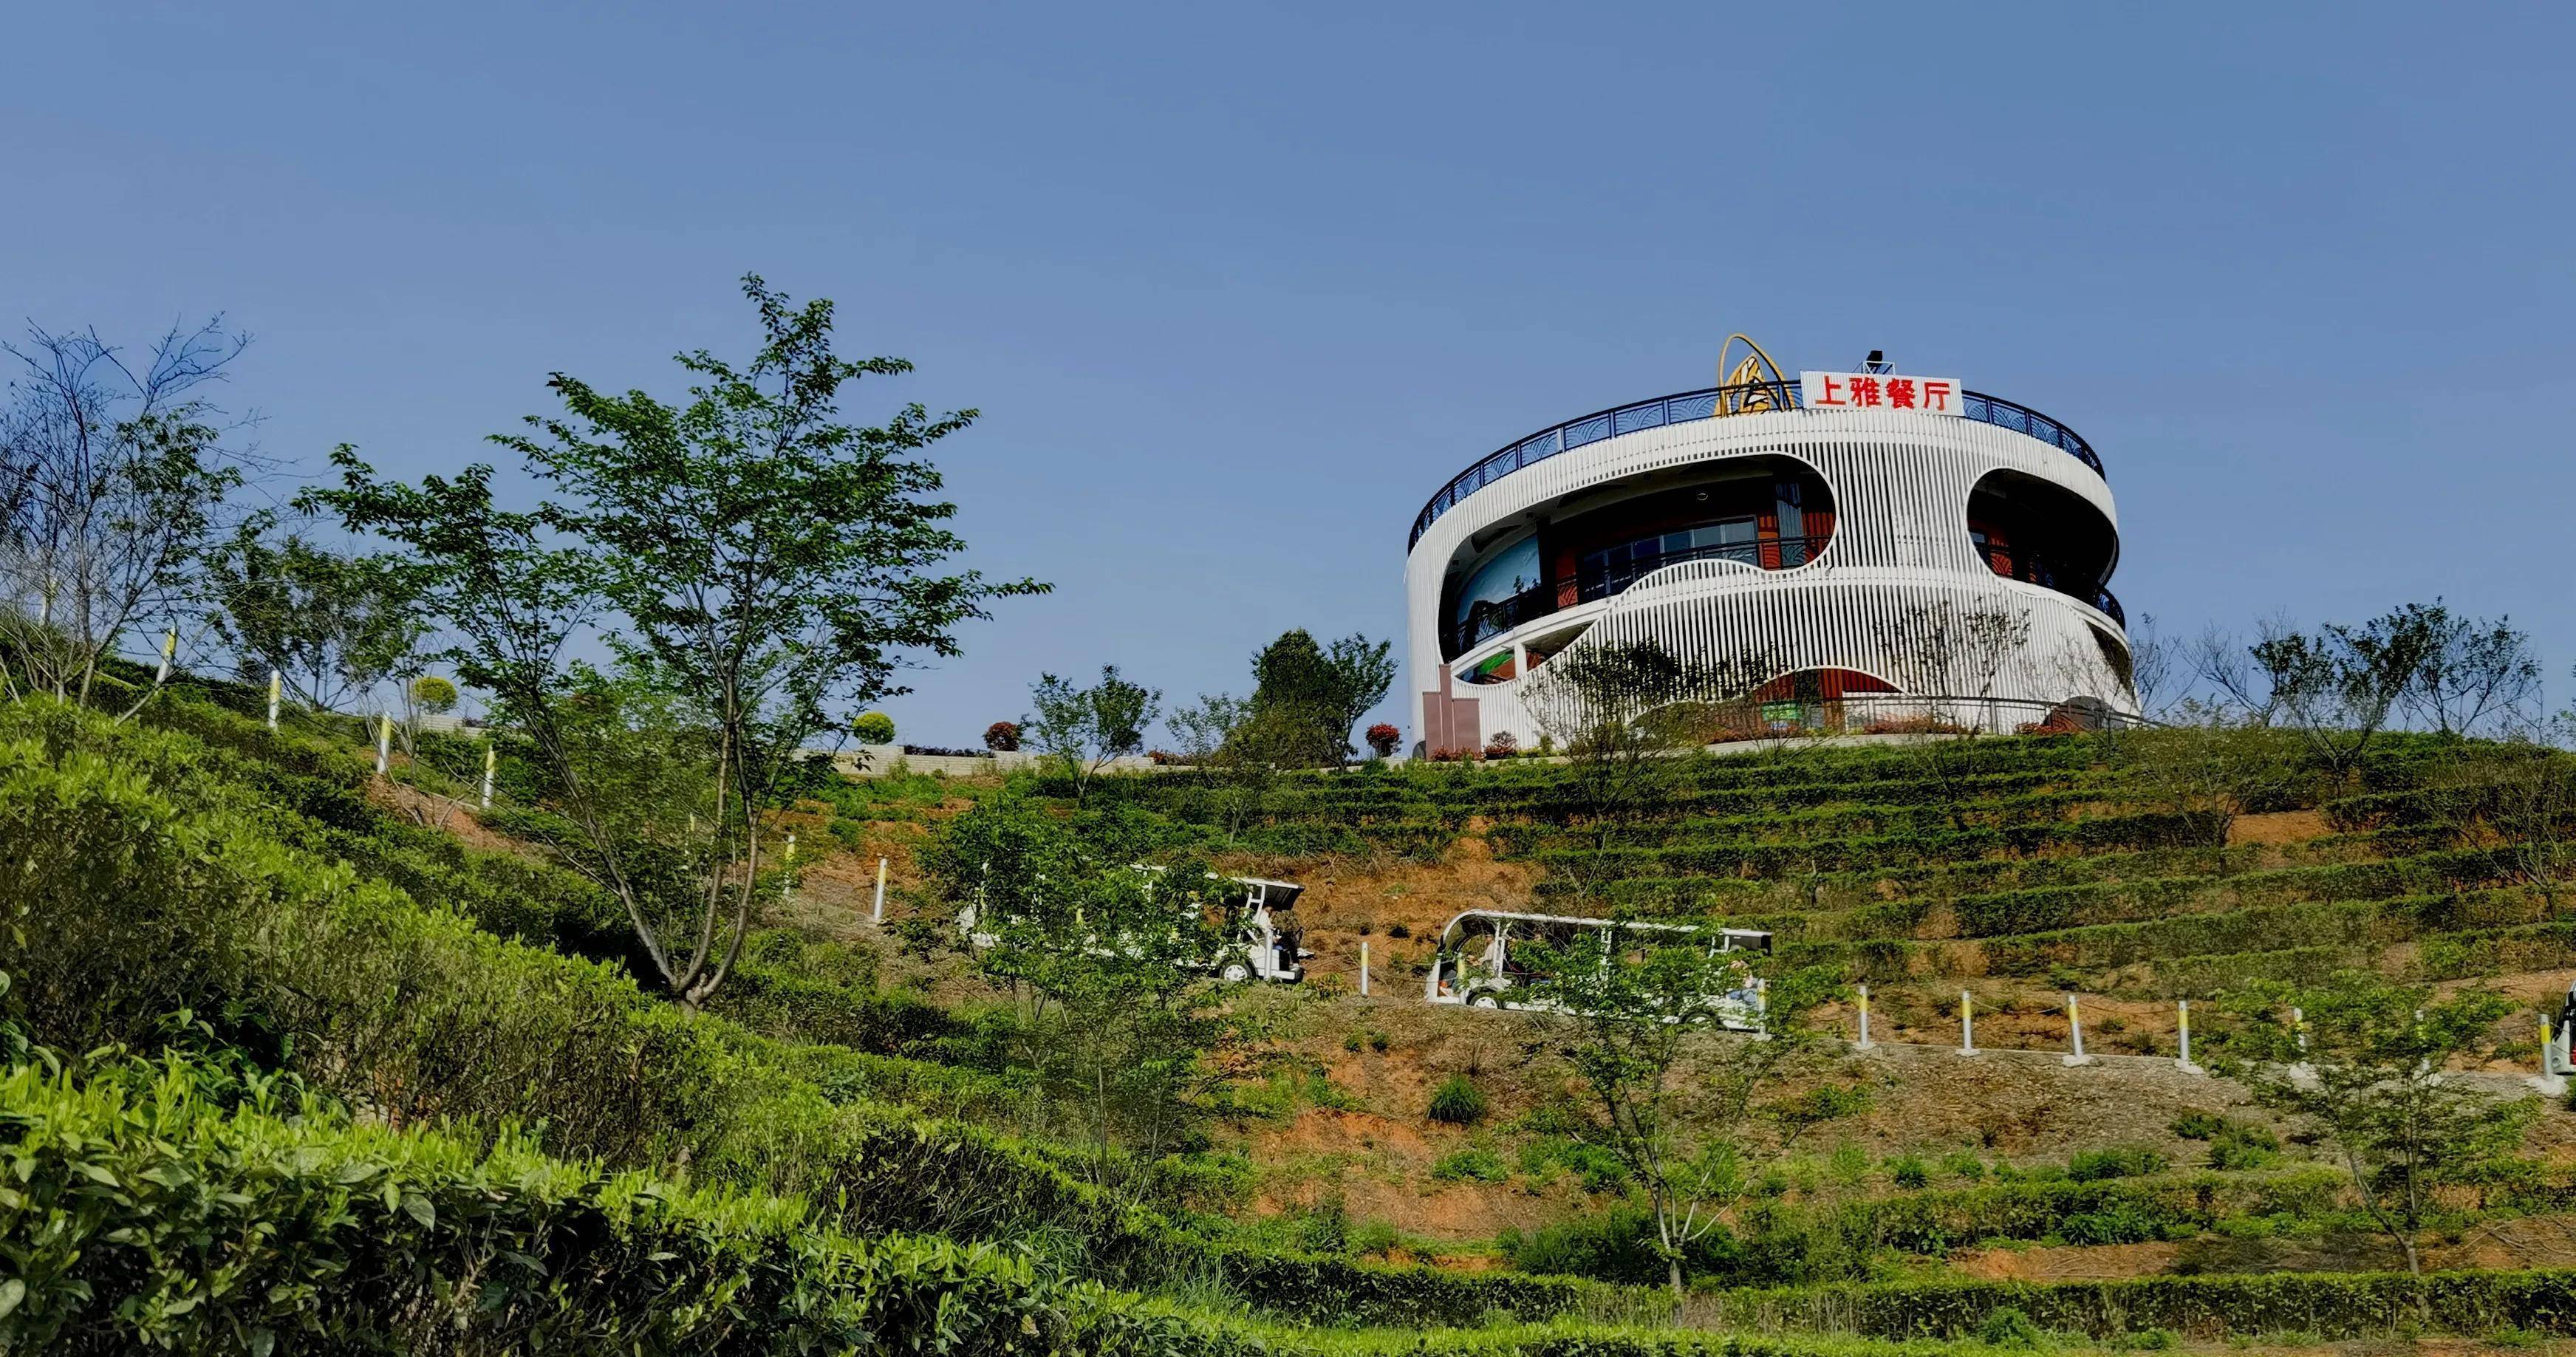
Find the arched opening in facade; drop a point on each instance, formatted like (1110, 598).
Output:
(2035, 531)
(2115, 653)
(1765, 513)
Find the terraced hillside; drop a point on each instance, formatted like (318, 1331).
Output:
(2132, 870)
(307, 1058)
(2119, 867)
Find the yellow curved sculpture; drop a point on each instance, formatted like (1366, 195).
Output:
(1746, 389)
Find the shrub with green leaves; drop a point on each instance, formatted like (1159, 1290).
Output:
(2197, 1125)
(143, 1214)
(2118, 1161)
(2007, 1327)
(1471, 1166)
(1457, 1102)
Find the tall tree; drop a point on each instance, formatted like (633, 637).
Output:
(113, 477)
(1237, 752)
(1098, 936)
(1311, 695)
(1362, 670)
(1081, 729)
(746, 548)
(2365, 1073)
(331, 624)
(2474, 674)
(1625, 1006)
(1293, 693)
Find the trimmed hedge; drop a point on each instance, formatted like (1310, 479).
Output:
(2146, 1208)
(1324, 1290)
(141, 1214)
(2327, 1305)
(2149, 829)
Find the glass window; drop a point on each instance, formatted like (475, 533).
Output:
(1513, 569)
(1615, 568)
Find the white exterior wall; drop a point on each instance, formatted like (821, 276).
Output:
(1900, 485)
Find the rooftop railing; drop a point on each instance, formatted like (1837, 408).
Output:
(1691, 405)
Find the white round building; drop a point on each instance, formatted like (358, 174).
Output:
(1884, 548)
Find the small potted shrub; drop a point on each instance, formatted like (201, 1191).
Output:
(1382, 739)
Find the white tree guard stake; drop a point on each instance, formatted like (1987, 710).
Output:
(276, 683)
(2301, 1073)
(384, 743)
(2182, 1032)
(1967, 1024)
(876, 912)
(1864, 1043)
(169, 653)
(1363, 968)
(491, 760)
(2548, 1080)
(787, 886)
(2075, 1026)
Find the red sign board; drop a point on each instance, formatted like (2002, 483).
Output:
(1879, 391)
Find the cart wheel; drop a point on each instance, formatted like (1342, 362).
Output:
(1235, 973)
(1486, 1000)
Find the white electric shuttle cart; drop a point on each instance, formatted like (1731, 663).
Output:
(1257, 938)
(1478, 964)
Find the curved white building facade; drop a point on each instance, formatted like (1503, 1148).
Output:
(1878, 564)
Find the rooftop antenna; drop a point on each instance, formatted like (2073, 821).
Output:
(1876, 362)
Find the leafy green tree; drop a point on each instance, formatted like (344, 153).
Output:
(639, 760)
(2370, 1081)
(332, 624)
(1100, 940)
(746, 550)
(1693, 1116)
(1081, 729)
(1309, 696)
(424, 695)
(113, 480)
(873, 728)
(2474, 675)
(433, 695)
(1362, 671)
(1238, 751)
(2339, 686)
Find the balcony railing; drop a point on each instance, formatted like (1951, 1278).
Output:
(1494, 618)
(1779, 553)
(1703, 404)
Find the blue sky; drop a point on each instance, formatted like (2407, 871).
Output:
(1237, 288)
